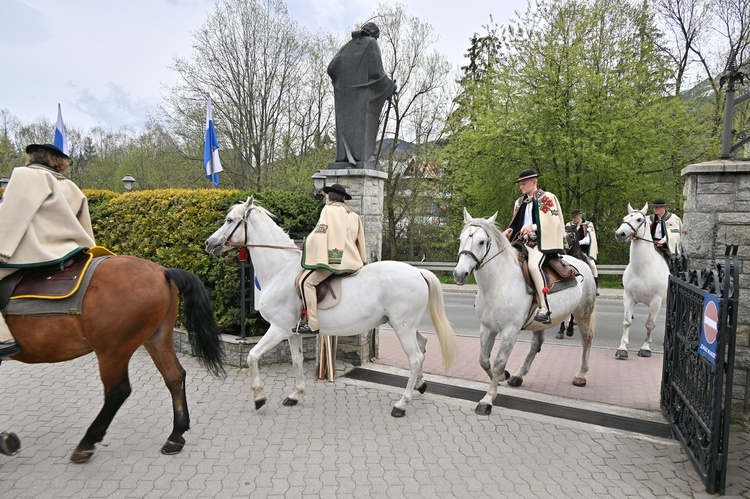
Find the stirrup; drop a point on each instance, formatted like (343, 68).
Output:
(544, 318)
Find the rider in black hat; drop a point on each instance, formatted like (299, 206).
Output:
(586, 239)
(538, 222)
(666, 229)
(44, 218)
(335, 246)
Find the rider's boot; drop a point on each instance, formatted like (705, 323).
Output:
(543, 314)
(596, 282)
(8, 345)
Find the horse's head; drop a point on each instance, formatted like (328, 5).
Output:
(475, 243)
(632, 225)
(233, 231)
(571, 240)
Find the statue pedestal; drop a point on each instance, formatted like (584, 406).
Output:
(366, 186)
(359, 165)
(717, 202)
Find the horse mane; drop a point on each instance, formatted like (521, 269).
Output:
(279, 234)
(492, 230)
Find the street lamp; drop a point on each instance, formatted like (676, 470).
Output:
(319, 180)
(129, 182)
(4, 182)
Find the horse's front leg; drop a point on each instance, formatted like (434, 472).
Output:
(653, 311)
(497, 373)
(587, 326)
(295, 346)
(273, 337)
(535, 347)
(628, 305)
(408, 337)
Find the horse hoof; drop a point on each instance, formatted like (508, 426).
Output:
(515, 381)
(560, 336)
(621, 354)
(289, 402)
(398, 413)
(483, 409)
(260, 403)
(80, 456)
(579, 381)
(569, 332)
(9, 443)
(171, 448)
(422, 388)
(644, 353)
(506, 375)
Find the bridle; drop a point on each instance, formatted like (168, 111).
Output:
(480, 262)
(243, 222)
(636, 229)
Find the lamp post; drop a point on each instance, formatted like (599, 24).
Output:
(319, 181)
(129, 182)
(4, 182)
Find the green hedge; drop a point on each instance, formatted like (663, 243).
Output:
(170, 227)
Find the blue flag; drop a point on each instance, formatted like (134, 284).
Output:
(211, 159)
(61, 140)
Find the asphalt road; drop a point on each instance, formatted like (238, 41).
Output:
(609, 313)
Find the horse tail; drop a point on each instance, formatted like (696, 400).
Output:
(201, 326)
(437, 312)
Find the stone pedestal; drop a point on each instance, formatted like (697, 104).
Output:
(717, 212)
(366, 188)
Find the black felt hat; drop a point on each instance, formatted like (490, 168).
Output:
(48, 147)
(576, 212)
(659, 202)
(337, 188)
(527, 174)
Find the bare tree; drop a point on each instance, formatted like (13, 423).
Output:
(417, 116)
(687, 22)
(248, 57)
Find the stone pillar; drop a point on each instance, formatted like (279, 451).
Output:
(717, 212)
(366, 188)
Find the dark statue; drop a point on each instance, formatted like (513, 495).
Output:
(360, 90)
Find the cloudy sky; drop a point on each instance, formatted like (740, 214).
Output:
(107, 62)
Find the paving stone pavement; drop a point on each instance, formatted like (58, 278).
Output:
(340, 441)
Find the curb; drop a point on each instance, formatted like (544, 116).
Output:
(604, 293)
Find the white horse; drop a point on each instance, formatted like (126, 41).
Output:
(645, 279)
(504, 306)
(380, 292)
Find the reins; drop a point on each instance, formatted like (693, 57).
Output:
(271, 246)
(635, 230)
(243, 222)
(484, 261)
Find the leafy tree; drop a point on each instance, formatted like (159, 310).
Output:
(580, 95)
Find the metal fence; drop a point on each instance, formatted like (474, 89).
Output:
(699, 347)
(448, 267)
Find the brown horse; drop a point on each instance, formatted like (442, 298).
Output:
(130, 302)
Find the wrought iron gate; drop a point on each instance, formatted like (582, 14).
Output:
(699, 344)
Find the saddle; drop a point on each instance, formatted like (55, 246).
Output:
(328, 292)
(56, 282)
(557, 273)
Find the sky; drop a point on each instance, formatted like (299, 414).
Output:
(108, 62)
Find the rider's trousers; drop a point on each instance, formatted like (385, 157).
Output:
(4, 331)
(536, 259)
(310, 279)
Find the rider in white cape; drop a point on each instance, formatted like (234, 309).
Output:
(380, 292)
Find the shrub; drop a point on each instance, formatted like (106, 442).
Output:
(170, 226)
